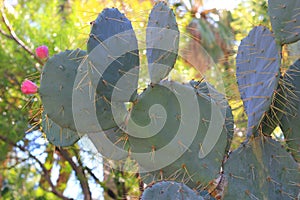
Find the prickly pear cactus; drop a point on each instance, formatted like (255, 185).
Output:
(169, 132)
(180, 132)
(285, 19)
(257, 71)
(162, 40)
(57, 82)
(290, 122)
(169, 190)
(261, 169)
(57, 135)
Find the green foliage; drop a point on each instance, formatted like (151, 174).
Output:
(17, 179)
(248, 14)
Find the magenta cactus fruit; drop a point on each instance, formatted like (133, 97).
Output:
(42, 52)
(28, 87)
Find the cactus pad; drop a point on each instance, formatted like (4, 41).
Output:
(114, 23)
(261, 169)
(162, 128)
(272, 118)
(111, 144)
(285, 20)
(290, 122)
(169, 190)
(113, 61)
(57, 135)
(94, 113)
(220, 99)
(162, 40)
(56, 88)
(258, 62)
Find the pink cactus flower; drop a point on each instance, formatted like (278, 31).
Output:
(28, 87)
(42, 52)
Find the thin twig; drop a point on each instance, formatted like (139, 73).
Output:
(109, 192)
(12, 35)
(45, 171)
(5, 34)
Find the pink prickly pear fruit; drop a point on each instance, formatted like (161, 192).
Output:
(42, 52)
(28, 87)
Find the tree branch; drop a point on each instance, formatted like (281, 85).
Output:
(5, 34)
(45, 171)
(109, 192)
(12, 35)
(79, 173)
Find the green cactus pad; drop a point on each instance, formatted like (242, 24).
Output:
(112, 66)
(169, 190)
(57, 135)
(285, 20)
(162, 40)
(257, 71)
(166, 141)
(219, 98)
(261, 169)
(57, 81)
(290, 123)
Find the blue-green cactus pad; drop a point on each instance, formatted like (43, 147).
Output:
(162, 40)
(169, 190)
(285, 20)
(166, 141)
(57, 82)
(290, 123)
(111, 144)
(57, 135)
(261, 169)
(206, 88)
(112, 65)
(272, 118)
(257, 71)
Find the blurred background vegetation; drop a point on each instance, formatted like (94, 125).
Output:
(31, 168)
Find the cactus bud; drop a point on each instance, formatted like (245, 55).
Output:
(42, 52)
(28, 87)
